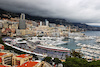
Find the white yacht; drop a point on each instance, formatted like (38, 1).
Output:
(79, 44)
(19, 41)
(48, 40)
(98, 40)
(84, 38)
(80, 38)
(8, 40)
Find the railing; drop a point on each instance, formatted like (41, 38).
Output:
(25, 50)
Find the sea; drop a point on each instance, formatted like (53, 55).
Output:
(72, 43)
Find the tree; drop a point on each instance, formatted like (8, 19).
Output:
(1, 42)
(94, 63)
(57, 61)
(47, 59)
(75, 62)
(76, 54)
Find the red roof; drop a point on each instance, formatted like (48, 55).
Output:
(23, 55)
(3, 66)
(4, 32)
(28, 64)
(1, 45)
(0, 60)
(2, 54)
(8, 29)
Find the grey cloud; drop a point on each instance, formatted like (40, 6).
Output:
(74, 10)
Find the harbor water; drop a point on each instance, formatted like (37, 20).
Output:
(72, 43)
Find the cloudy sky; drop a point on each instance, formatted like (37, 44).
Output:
(84, 11)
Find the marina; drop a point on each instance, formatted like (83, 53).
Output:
(49, 33)
(90, 52)
(40, 46)
(57, 47)
(72, 42)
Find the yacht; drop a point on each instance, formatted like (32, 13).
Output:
(79, 44)
(19, 41)
(8, 40)
(98, 40)
(48, 40)
(84, 38)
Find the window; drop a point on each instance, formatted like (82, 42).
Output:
(17, 62)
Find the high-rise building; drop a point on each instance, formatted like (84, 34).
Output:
(40, 23)
(22, 23)
(47, 22)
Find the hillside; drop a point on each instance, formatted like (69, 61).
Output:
(51, 20)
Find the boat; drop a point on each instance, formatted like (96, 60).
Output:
(98, 40)
(84, 38)
(80, 38)
(19, 41)
(79, 44)
(48, 40)
(8, 40)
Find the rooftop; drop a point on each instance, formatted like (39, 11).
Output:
(1, 54)
(23, 55)
(28, 64)
(3, 66)
(1, 45)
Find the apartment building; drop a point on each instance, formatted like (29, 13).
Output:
(20, 59)
(6, 58)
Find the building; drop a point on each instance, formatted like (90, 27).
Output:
(18, 32)
(47, 22)
(15, 25)
(23, 32)
(52, 25)
(43, 64)
(34, 23)
(6, 58)
(0, 32)
(40, 23)
(20, 59)
(1, 25)
(5, 25)
(42, 30)
(22, 23)
(1, 46)
(6, 31)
